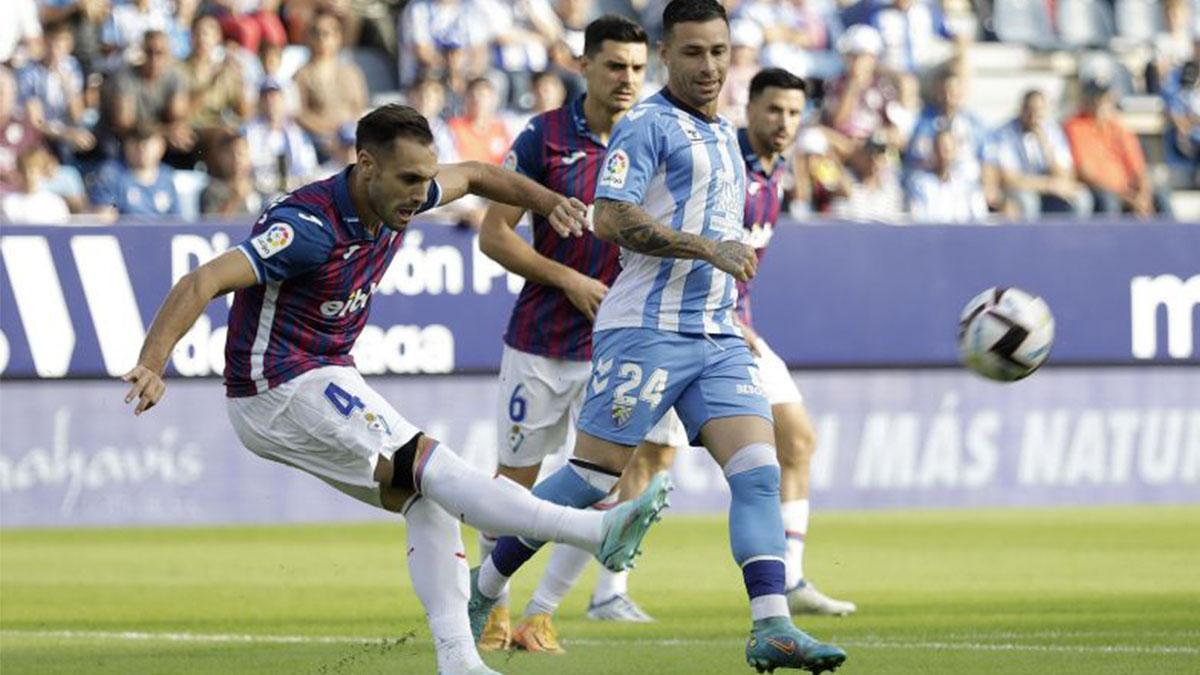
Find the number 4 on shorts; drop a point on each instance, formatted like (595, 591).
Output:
(343, 401)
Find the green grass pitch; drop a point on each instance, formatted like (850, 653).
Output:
(1108, 590)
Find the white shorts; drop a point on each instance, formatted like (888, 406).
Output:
(777, 382)
(327, 422)
(539, 404)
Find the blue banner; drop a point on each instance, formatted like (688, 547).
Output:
(72, 454)
(76, 301)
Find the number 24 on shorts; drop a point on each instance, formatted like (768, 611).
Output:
(652, 391)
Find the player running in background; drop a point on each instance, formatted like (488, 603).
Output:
(303, 283)
(776, 105)
(548, 345)
(672, 194)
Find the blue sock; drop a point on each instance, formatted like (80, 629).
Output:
(573, 486)
(756, 530)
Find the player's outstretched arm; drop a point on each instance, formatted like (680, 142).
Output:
(567, 215)
(500, 243)
(188, 298)
(628, 225)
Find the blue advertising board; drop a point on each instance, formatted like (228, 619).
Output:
(76, 301)
(72, 454)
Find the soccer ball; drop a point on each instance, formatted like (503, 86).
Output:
(1005, 334)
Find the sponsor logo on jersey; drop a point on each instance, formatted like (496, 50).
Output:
(616, 168)
(570, 159)
(277, 237)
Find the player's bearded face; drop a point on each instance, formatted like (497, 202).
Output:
(397, 180)
(697, 56)
(773, 117)
(616, 73)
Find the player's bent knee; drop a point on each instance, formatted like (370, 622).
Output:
(394, 499)
(524, 476)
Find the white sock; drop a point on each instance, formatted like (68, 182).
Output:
(497, 504)
(487, 542)
(795, 525)
(566, 565)
(437, 566)
(610, 584)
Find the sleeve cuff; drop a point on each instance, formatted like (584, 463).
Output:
(254, 262)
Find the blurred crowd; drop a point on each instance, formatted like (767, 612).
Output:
(179, 109)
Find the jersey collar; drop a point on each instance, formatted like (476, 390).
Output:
(345, 205)
(580, 119)
(753, 162)
(666, 93)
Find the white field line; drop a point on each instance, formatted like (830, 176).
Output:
(867, 643)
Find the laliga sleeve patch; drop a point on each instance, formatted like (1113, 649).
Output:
(616, 168)
(510, 161)
(277, 237)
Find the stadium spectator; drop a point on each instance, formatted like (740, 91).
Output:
(1182, 98)
(216, 92)
(281, 155)
(864, 100)
(332, 91)
(445, 39)
(139, 184)
(428, 97)
(746, 39)
(1175, 44)
(123, 34)
(345, 154)
(520, 34)
(479, 134)
(793, 31)
(1035, 163)
(1109, 158)
(153, 93)
(19, 28)
(86, 19)
(873, 191)
(231, 191)
(31, 202)
(946, 192)
(270, 62)
(250, 23)
(818, 176)
(574, 15)
(946, 112)
(549, 93)
(17, 134)
(910, 29)
(52, 90)
(299, 16)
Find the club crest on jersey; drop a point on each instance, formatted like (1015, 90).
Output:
(277, 237)
(515, 438)
(616, 168)
(622, 411)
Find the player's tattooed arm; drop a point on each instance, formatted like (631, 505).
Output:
(184, 304)
(567, 215)
(631, 227)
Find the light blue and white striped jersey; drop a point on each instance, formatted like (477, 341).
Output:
(686, 171)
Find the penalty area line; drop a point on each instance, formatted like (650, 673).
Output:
(232, 638)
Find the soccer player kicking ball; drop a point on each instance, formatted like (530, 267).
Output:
(776, 104)
(548, 345)
(302, 284)
(672, 194)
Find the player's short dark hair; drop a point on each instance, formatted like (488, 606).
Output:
(383, 125)
(775, 77)
(691, 11)
(611, 27)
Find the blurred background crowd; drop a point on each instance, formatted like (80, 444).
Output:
(920, 110)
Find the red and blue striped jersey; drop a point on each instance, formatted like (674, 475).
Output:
(317, 267)
(558, 150)
(763, 193)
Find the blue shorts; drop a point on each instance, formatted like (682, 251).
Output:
(639, 373)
